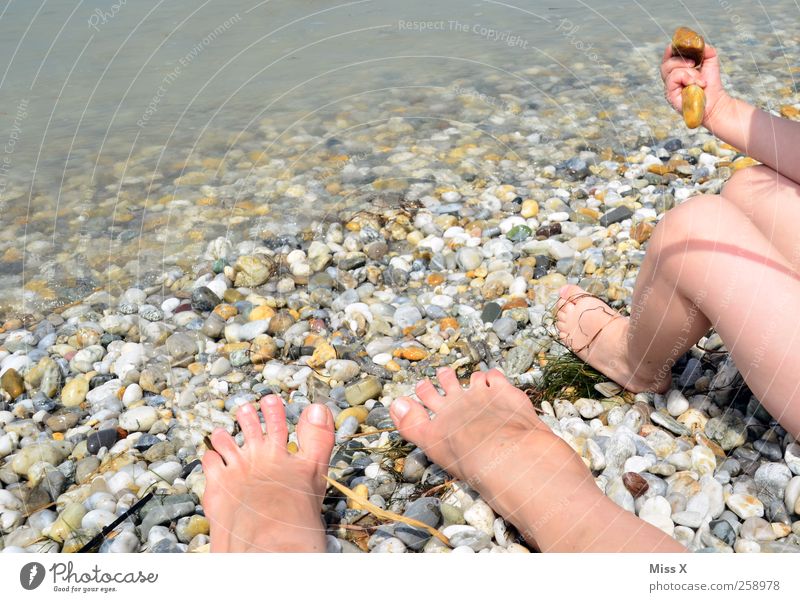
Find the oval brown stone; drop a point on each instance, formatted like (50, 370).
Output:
(635, 483)
(694, 105)
(688, 44)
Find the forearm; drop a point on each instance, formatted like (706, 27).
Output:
(771, 140)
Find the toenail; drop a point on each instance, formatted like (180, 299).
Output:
(316, 414)
(400, 407)
(562, 290)
(270, 400)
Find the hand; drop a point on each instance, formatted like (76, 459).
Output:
(678, 73)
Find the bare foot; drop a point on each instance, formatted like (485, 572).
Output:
(480, 434)
(490, 436)
(261, 498)
(598, 335)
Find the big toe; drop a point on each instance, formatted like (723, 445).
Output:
(315, 434)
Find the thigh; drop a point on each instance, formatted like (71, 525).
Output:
(772, 202)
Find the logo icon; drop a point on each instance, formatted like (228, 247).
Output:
(31, 575)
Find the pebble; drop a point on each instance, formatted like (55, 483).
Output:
(74, 392)
(677, 404)
(727, 430)
(469, 258)
(468, 536)
(359, 392)
(772, 479)
(139, 419)
(745, 506)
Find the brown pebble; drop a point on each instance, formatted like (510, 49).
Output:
(548, 231)
(688, 44)
(635, 483)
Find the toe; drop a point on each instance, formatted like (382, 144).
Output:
(315, 435)
(568, 291)
(226, 447)
(429, 395)
(449, 381)
(411, 419)
(247, 417)
(212, 466)
(478, 379)
(495, 378)
(275, 419)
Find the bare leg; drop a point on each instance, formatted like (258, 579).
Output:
(261, 498)
(707, 263)
(772, 202)
(490, 436)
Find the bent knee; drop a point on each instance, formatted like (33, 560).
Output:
(747, 184)
(707, 217)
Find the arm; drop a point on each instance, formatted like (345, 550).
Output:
(767, 138)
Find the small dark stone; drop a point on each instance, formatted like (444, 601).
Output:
(145, 442)
(491, 311)
(356, 260)
(204, 299)
(576, 168)
(379, 417)
(395, 277)
(189, 468)
(553, 229)
(722, 530)
(635, 483)
(617, 214)
(542, 266)
(691, 372)
(100, 379)
(771, 451)
(100, 439)
(673, 144)
(166, 546)
(425, 510)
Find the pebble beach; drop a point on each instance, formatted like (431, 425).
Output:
(342, 261)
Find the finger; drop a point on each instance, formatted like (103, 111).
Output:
(680, 78)
(673, 63)
(247, 417)
(449, 381)
(709, 53)
(275, 419)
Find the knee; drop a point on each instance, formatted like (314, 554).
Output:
(691, 219)
(746, 184)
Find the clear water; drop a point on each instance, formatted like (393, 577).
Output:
(89, 87)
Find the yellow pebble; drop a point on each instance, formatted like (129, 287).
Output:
(359, 412)
(261, 312)
(292, 447)
(361, 491)
(530, 208)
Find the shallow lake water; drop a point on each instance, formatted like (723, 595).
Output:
(122, 123)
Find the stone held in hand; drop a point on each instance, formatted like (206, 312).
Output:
(694, 105)
(688, 44)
